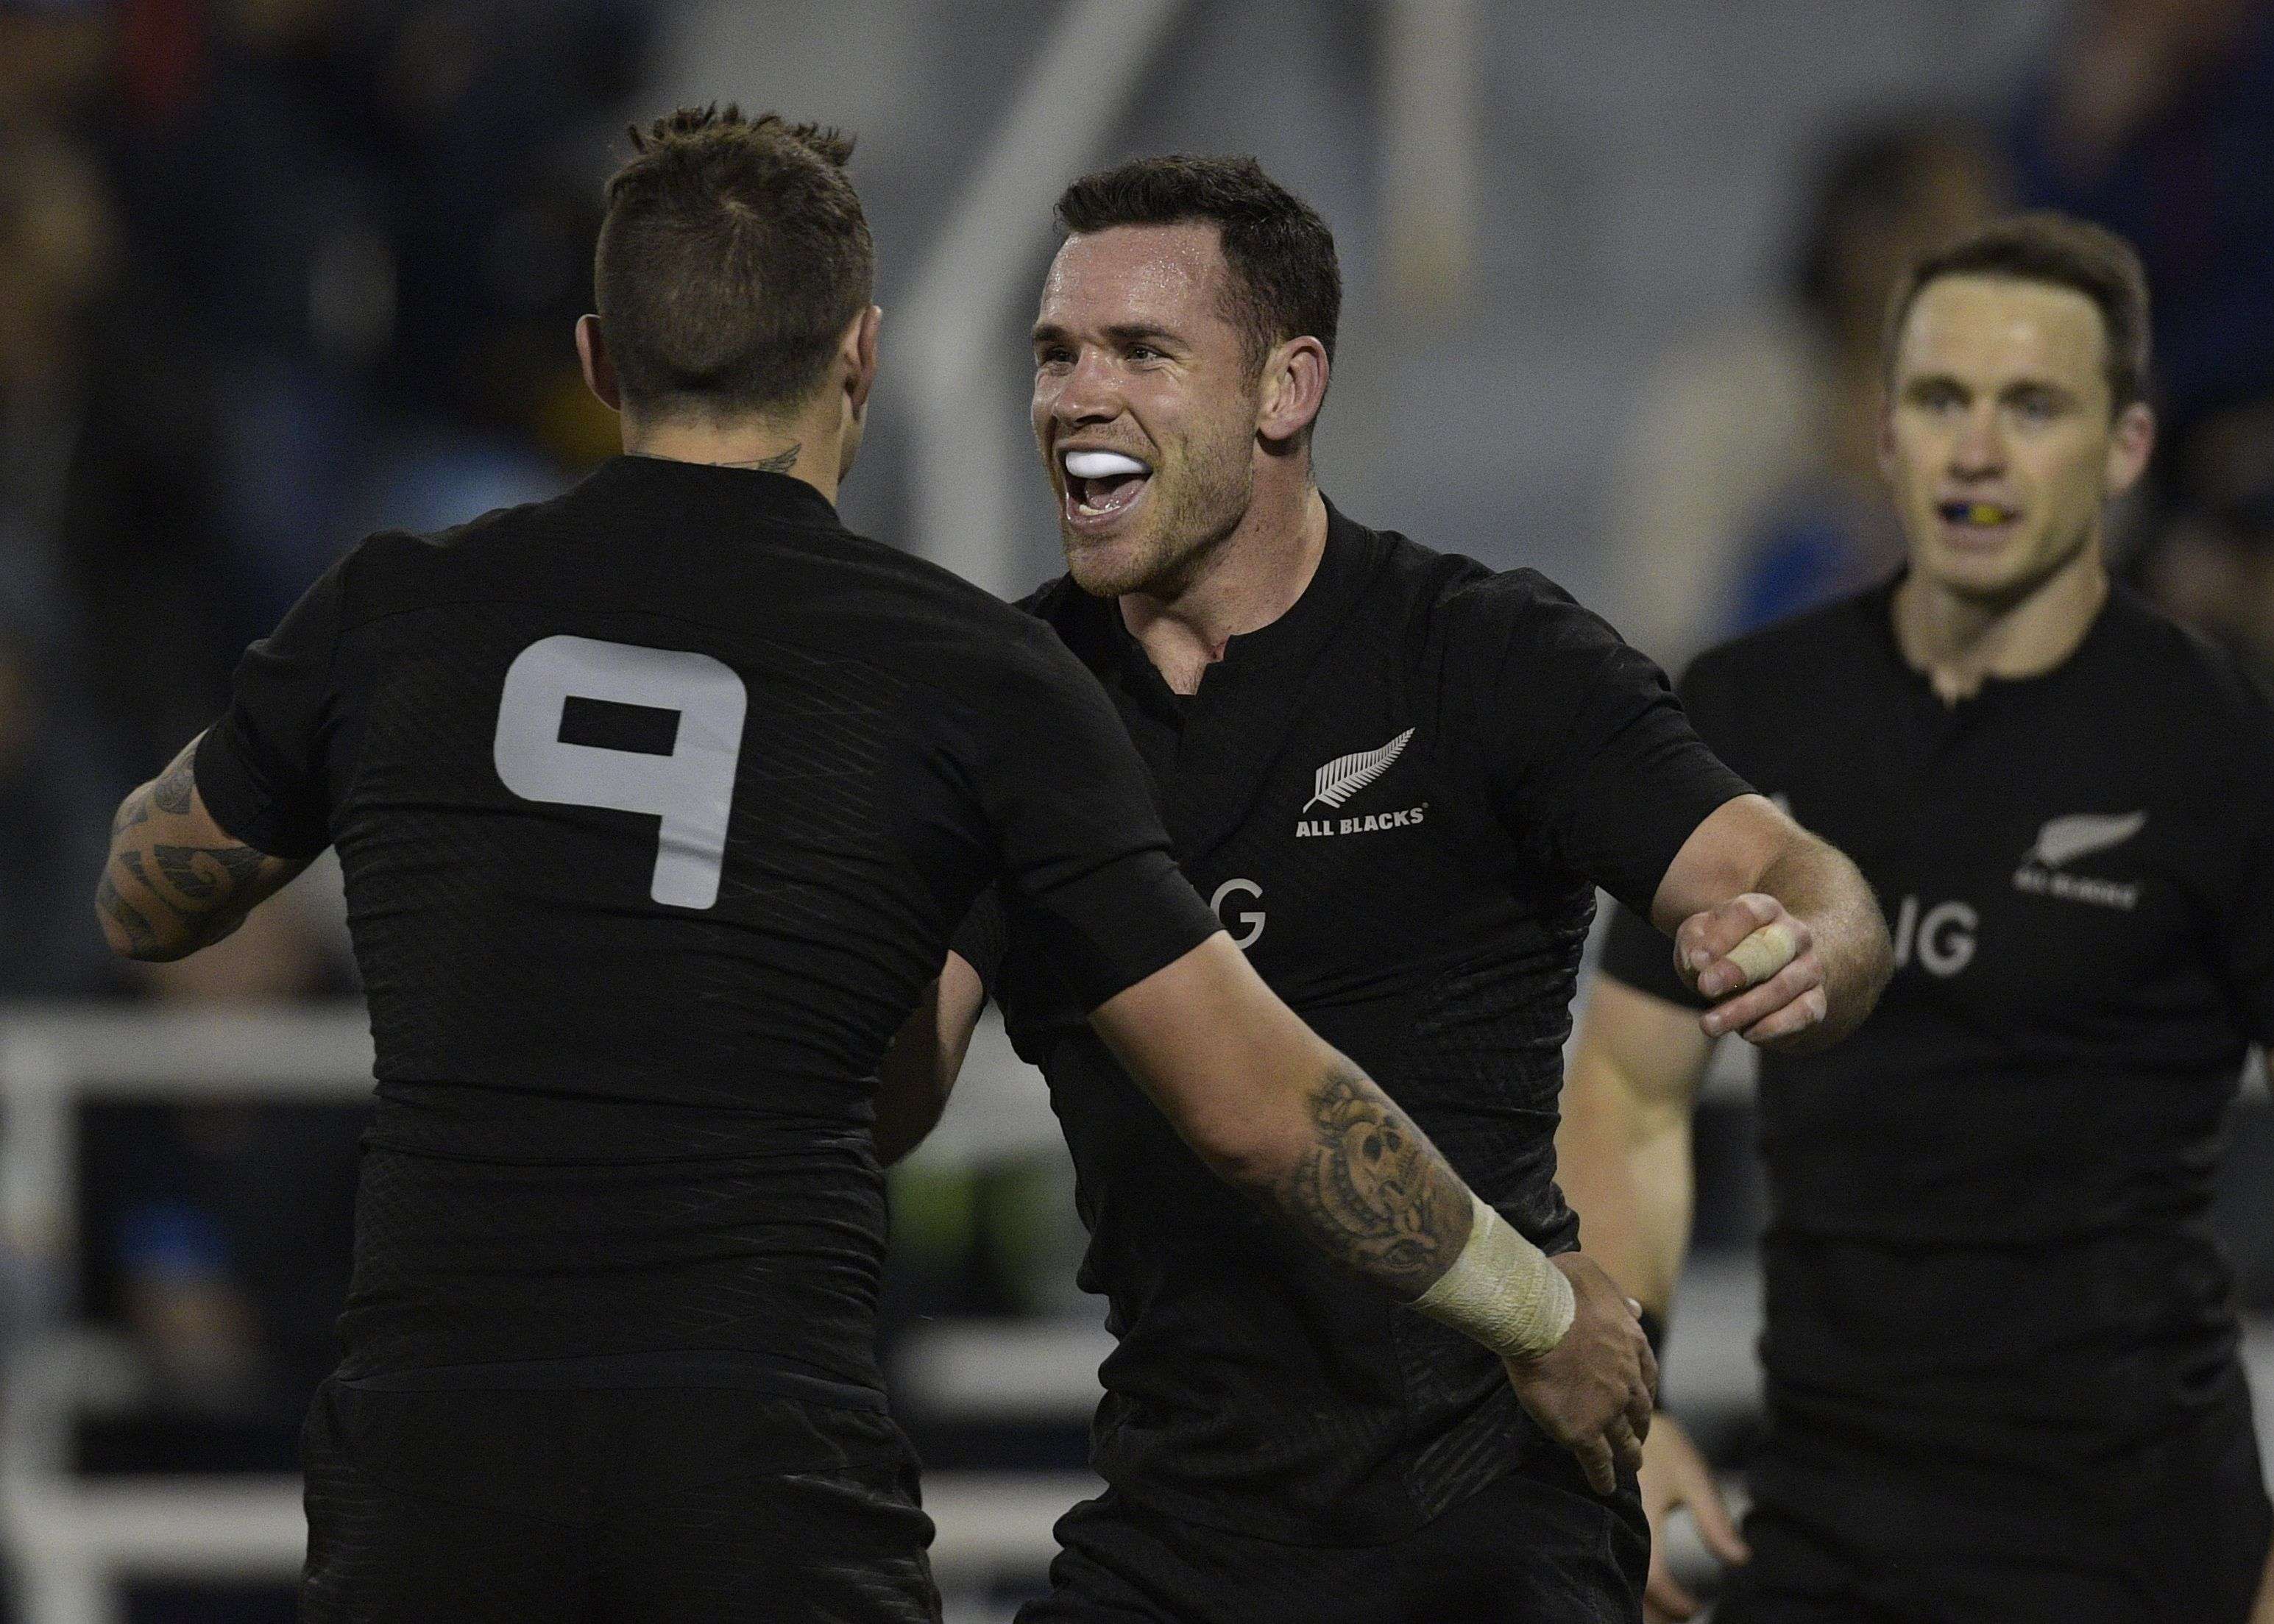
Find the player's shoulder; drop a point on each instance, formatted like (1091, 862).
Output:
(2185, 687)
(1452, 595)
(389, 564)
(2162, 701)
(969, 649)
(1834, 643)
(1754, 696)
(979, 649)
(1462, 630)
(391, 569)
(900, 580)
(1065, 622)
(584, 542)
(2151, 642)
(1059, 602)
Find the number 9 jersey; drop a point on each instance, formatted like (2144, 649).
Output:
(658, 804)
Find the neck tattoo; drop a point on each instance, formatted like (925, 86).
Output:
(780, 462)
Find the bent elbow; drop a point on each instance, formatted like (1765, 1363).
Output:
(1243, 1151)
(1879, 952)
(141, 949)
(129, 933)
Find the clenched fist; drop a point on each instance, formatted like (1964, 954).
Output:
(1760, 966)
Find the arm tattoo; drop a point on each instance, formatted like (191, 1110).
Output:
(186, 895)
(172, 791)
(125, 915)
(230, 867)
(1373, 1190)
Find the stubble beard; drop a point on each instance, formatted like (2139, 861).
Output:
(1194, 514)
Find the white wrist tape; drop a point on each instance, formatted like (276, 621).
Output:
(1502, 1291)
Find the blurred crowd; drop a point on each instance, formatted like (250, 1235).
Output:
(269, 269)
(275, 273)
(1749, 486)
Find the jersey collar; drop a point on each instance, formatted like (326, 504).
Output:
(1232, 731)
(1311, 621)
(751, 494)
(1093, 626)
(1879, 605)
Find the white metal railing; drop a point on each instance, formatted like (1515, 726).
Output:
(72, 1540)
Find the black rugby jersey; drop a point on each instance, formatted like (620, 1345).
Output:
(1400, 796)
(1988, 1235)
(658, 804)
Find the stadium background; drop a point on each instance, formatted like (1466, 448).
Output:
(274, 273)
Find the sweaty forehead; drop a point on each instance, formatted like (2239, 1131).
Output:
(1987, 328)
(1168, 275)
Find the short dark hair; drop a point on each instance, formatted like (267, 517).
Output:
(1875, 173)
(732, 256)
(2060, 252)
(1285, 281)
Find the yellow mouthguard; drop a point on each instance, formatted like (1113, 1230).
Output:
(1982, 513)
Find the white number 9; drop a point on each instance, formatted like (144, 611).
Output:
(691, 788)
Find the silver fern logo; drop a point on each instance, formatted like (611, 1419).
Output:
(2062, 840)
(2080, 834)
(1344, 776)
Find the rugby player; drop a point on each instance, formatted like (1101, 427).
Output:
(1400, 777)
(658, 804)
(2001, 1359)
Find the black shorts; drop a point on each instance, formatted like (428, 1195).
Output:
(608, 1507)
(1531, 1548)
(2174, 1533)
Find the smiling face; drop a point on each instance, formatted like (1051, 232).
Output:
(1146, 405)
(2000, 440)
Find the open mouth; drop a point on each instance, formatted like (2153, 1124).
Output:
(1103, 484)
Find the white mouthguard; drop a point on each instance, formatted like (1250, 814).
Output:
(1102, 465)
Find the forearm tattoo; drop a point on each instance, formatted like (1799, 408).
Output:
(225, 870)
(1372, 1190)
(129, 919)
(182, 895)
(172, 789)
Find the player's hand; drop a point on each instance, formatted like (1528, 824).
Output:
(1674, 1474)
(1591, 1391)
(1760, 966)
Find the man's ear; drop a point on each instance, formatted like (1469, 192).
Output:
(2131, 446)
(857, 352)
(1294, 386)
(599, 370)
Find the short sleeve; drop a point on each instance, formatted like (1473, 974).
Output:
(2250, 943)
(983, 939)
(1083, 855)
(1635, 952)
(1591, 764)
(261, 768)
(2246, 934)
